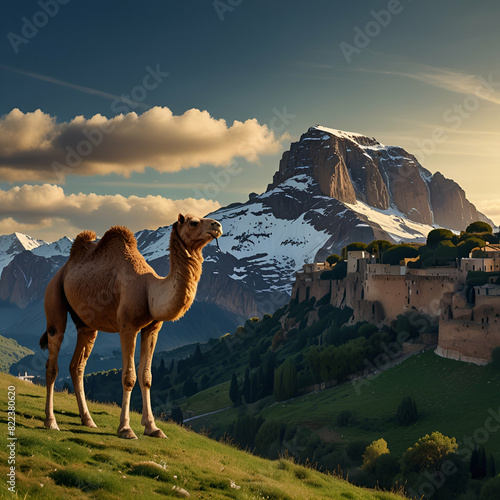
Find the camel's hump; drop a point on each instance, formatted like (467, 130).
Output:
(121, 233)
(81, 242)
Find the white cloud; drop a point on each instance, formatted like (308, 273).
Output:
(34, 147)
(47, 212)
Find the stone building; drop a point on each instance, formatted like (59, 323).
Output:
(378, 293)
(470, 330)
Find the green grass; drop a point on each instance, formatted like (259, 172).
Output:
(11, 352)
(452, 397)
(216, 397)
(80, 463)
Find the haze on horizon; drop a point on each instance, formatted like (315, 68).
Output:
(125, 114)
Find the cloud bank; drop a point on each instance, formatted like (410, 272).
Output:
(34, 147)
(46, 212)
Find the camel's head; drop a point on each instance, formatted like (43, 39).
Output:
(196, 232)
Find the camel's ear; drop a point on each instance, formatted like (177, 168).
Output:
(181, 219)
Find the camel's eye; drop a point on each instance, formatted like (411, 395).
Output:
(194, 223)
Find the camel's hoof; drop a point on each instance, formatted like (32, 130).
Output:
(88, 422)
(158, 433)
(127, 433)
(51, 423)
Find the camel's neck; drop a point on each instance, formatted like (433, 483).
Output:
(170, 297)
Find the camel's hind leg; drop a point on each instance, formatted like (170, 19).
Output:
(149, 336)
(127, 340)
(56, 311)
(84, 345)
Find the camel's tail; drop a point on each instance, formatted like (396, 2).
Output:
(44, 341)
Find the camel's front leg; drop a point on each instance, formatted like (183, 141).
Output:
(127, 340)
(149, 336)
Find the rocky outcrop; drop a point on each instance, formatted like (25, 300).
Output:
(451, 207)
(351, 167)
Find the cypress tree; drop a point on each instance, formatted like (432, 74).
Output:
(285, 381)
(407, 411)
(197, 357)
(161, 368)
(474, 464)
(260, 384)
(483, 465)
(246, 386)
(234, 391)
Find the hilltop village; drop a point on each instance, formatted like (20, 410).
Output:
(467, 316)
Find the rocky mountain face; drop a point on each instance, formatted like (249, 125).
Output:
(351, 167)
(332, 188)
(24, 280)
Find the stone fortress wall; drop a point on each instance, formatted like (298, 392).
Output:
(378, 293)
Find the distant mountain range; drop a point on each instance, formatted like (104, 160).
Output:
(332, 188)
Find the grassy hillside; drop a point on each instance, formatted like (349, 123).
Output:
(452, 397)
(78, 462)
(10, 353)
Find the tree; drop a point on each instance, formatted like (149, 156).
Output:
(269, 436)
(466, 246)
(285, 381)
(245, 430)
(339, 272)
(268, 365)
(385, 468)
(190, 387)
(479, 227)
(407, 411)
(176, 415)
(197, 356)
(495, 358)
(234, 391)
(357, 246)
(491, 489)
(428, 453)
(438, 235)
(333, 259)
(161, 368)
(378, 248)
(246, 386)
(399, 252)
(254, 358)
(254, 388)
(474, 464)
(372, 452)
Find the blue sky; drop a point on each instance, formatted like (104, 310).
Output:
(420, 74)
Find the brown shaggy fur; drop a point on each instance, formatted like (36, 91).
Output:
(81, 244)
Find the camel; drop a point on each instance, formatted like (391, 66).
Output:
(108, 286)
